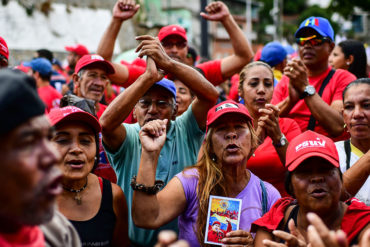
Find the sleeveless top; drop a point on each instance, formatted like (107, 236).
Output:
(98, 231)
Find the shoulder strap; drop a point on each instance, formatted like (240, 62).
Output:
(347, 149)
(312, 121)
(264, 198)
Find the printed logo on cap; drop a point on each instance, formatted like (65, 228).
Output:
(70, 109)
(3, 47)
(226, 105)
(312, 22)
(318, 143)
(97, 57)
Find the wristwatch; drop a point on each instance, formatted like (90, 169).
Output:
(308, 91)
(283, 141)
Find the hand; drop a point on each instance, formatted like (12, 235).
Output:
(216, 11)
(292, 239)
(151, 47)
(320, 236)
(269, 121)
(297, 73)
(153, 135)
(167, 238)
(125, 9)
(237, 238)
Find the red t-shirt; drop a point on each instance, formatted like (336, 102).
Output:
(50, 96)
(355, 219)
(27, 236)
(333, 91)
(267, 159)
(211, 71)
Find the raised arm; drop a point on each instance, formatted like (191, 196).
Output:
(206, 93)
(114, 132)
(243, 53)
(122, 10)
(153, 211)
(329, 116)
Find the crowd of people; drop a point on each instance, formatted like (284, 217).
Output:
(129, 154)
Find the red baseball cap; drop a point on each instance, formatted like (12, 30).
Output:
(94, 59)
(4, 48)
(79, 49)
(58, 115)
(228, 106)
(310, 144)
(172, 30)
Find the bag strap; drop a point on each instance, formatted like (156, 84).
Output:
(312, 121)
(264, 198)
(347, 149)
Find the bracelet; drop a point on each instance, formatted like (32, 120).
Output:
(152, 190)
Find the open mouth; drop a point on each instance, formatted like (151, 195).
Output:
(55, 186)
(231, 148)
(76, 164)
(318, 193)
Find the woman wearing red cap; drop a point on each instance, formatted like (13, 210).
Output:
(256, 87)
(96, 207)
(315, 182)
(229, 142)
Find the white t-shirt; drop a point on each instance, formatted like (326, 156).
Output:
(364, 193)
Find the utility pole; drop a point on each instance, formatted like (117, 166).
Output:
(203, 32)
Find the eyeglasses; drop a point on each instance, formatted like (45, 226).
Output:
(179, 45)
(313, 40)
(161, 104)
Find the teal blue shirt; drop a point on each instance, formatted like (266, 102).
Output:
(180, 150)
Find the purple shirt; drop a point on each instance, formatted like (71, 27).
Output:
(251, 210)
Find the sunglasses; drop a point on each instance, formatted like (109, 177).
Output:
(313, 40)
(179, 45)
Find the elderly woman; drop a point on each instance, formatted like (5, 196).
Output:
(315, 182)
(96, 207)
(256, 87)
(356, 116)
(221, 171)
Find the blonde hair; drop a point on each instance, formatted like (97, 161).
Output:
(211, 180)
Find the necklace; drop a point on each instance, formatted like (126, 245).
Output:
(78, 196)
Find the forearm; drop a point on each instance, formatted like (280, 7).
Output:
(355, 177)
(145, 207)
(106, 44)
(281, 151)
(120, 108)
(196, 82)
(327, 116)
(243, 52)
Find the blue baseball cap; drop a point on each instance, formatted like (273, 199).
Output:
(273, 53)
(319, 24)
(41, 65)
(168, 85)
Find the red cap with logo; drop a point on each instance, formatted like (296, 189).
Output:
(172, 30)
(71, 113)
(96, 60)
(228, 106)
(310, 144)
(4, 48)
(79, 49)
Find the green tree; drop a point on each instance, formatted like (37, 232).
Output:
(345, 7)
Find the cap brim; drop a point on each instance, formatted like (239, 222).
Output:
(293, 165)
(109, 67)
(175, 34)
(82, 117)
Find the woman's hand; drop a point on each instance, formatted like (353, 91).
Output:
(216, 11)
(292, 239)
(153, 135)
(238, 238)
(269, 121)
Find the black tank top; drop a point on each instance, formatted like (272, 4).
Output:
(98, 231)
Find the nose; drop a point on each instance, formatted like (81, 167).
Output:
(50, 155)
(261, 88)
(231, 134)
(317, 178)
(153, 107)
(357, 113)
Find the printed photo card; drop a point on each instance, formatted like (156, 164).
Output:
(223, 217)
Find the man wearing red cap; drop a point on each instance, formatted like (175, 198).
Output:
(74, 54)
(175, 43)
(4, 53)
(91, 78)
